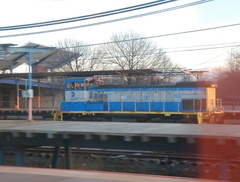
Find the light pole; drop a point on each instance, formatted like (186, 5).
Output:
(30, 90)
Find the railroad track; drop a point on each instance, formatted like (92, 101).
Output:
(119, 154)
(184, 165)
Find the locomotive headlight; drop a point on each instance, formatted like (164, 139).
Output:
(213, 85)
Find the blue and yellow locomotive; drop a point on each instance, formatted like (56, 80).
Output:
(185, 102)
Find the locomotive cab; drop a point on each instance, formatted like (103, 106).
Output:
(82, 83)
(77, 89)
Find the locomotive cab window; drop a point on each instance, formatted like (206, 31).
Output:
(68, 86)
(79, 86)
(192, 104)
(74, 86)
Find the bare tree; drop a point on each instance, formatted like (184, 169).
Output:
(131, 51)
(228, 79)
(84, 60)
(233, 62)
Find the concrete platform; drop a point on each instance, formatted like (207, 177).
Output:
(104, 129)
(21, 174)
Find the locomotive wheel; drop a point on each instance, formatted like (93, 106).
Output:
(212, 120)
(216, 120)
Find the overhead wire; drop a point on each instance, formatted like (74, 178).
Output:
(123, 10)
(210, 60)
(201, 49)
(205, 45)
(164, 35)
(197, 49)
(182, 49)
(110, 21)
(87, 17)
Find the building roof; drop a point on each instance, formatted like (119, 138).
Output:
(50, 59)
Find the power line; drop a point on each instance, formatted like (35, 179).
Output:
(201, 49)
(211, 60)
(193, 31)
(226, 43)
(110, 21)
(87, 17)
(111, 57)
(165, 35)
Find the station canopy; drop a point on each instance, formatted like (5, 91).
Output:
(56, 58)
(51, 59)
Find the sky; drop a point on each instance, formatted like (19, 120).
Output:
(164, 26)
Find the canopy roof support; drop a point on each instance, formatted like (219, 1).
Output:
(7, 48)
